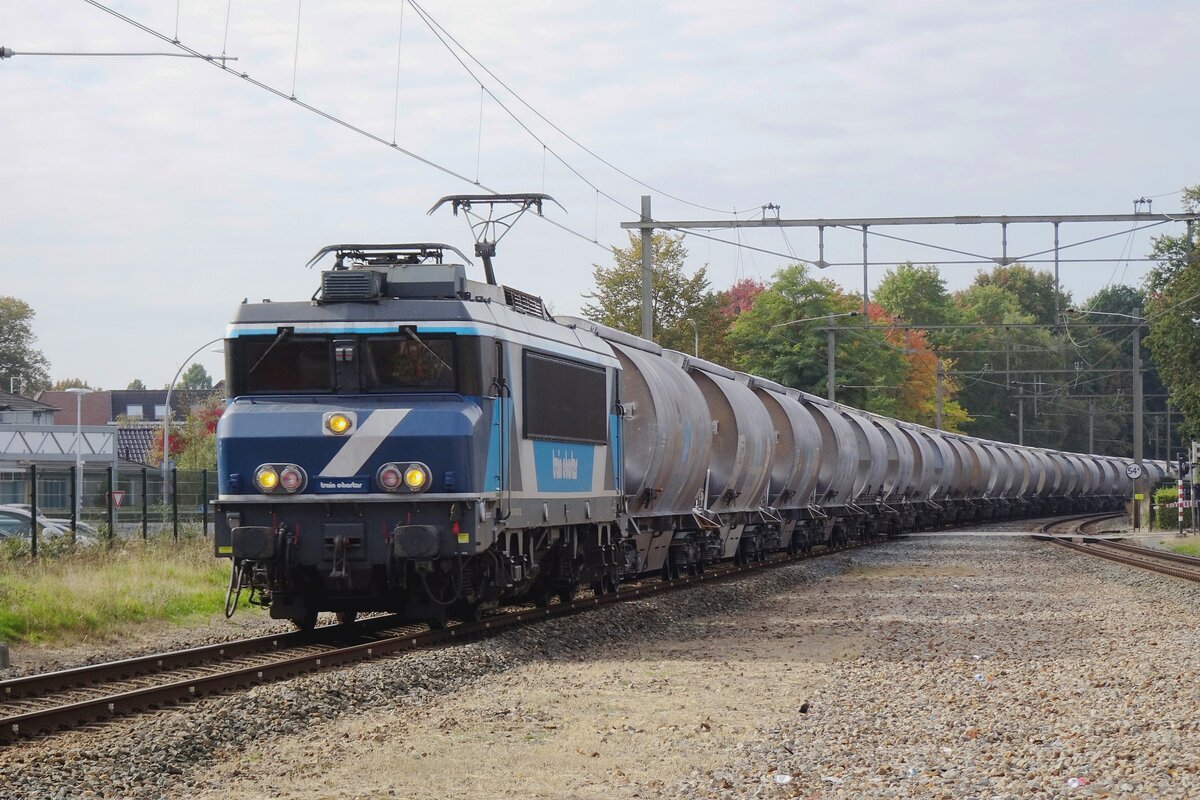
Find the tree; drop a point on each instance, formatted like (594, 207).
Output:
(1034, 291)
(136, 383)
(194, 377)
(739, 297)
(769, 342)
(916, 295)
(70, 383)
(916, 399)
(1172, 308)
(677, 299)
(18, 357)
(193, 444)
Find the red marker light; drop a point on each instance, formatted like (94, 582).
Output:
(390, 478)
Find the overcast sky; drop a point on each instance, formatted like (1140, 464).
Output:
(142, 198)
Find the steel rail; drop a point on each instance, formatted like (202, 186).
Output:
(49, 720)
(1162, 555)
(1142, 557)
(141, 666)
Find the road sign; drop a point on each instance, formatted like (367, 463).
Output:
(117, 497)
(1134, 470)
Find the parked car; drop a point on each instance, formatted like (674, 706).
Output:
(14, 523)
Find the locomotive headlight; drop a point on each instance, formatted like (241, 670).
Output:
(338, 424)
(266, 478)
(416, 477)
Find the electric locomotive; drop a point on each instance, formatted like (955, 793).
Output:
(415, 441)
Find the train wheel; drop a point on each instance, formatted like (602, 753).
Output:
(468, 612)
(347, 617)
(307, 620)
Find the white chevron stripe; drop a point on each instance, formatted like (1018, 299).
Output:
(363, 442)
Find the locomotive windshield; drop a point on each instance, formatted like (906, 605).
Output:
(291, 363)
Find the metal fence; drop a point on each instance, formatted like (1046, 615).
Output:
(131, 503)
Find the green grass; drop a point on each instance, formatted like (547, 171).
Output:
(1186, 548)
(96, 592)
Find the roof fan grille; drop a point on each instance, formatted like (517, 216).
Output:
(524, 303)
(342, 286)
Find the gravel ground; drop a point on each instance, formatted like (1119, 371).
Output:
(930, 667)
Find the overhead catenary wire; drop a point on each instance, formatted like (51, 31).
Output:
(326, 114)
(513, 116)
(228, 14)
(399, 53)
(433, 23)
(296, 51)
(122, 55)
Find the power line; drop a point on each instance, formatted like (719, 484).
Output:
(324, 114)
(9, 53)
(432, 23)
(546, 147)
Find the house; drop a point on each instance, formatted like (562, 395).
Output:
(18, 410)
(105, 407)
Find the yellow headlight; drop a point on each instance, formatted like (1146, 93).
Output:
(266, 478)
(415, 477)
(337, 423)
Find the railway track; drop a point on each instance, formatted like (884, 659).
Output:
(1161, 561)
(46, 703)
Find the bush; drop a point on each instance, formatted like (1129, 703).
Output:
(1167, 519)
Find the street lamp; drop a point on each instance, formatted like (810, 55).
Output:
(79, 393)
(166, 454)
(831, 389)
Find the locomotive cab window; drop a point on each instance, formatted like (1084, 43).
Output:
(564, 400)
(400, 363)
(292, 364)
(281, 364)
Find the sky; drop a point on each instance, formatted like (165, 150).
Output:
(142, 198)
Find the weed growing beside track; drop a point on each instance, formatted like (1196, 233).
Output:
(1190, 547)
(92, 592)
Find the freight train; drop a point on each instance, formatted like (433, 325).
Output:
(410, 440)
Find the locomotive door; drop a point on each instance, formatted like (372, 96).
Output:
(503, 399)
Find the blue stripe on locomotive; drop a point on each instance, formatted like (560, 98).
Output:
(448, 434)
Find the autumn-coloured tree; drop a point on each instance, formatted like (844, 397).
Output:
(740, 297)
(194, 443)
(916, 397)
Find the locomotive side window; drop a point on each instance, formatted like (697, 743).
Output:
(283, 364)
(407, 363)
(564, 400)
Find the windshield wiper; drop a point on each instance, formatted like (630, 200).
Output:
(283, 333)
(410, 333)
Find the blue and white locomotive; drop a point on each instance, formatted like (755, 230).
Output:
(410, 440)
(414, 441)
